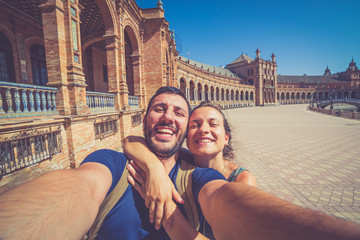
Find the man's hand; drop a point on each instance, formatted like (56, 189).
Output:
(157, 190)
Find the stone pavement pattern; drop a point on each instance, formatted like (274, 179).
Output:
(307, 158)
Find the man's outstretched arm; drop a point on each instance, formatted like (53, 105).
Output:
(58, 205)
(239, 211)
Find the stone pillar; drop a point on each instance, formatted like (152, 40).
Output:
(202, 95)
(61, 27)
(136, 70)
(123, 88)
(113, 65)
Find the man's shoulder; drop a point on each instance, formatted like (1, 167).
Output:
(186, 155)
(107, 153)
(105, 156)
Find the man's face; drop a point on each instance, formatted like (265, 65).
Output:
(165, 124)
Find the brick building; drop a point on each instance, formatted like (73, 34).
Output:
(309, 89)
(76, 75)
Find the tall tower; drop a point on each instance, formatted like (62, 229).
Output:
(327, 71)
(257, 54)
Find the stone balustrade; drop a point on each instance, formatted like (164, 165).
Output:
(100, 102)
(23, 100)
(336, 112)
(133, 101)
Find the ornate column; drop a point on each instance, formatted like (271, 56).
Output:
(61, 27)
(112, 56)
(187, 93)
(123, 88)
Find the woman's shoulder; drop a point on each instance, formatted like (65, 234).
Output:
(247, 178)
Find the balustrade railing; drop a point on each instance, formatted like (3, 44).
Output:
(100, 102)
(28, 148)
(133, 101)
(23, 100)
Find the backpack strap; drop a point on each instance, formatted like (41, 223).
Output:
(108, 203)
(184, 185)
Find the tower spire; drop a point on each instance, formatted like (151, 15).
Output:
(257, 53)
(160, 5)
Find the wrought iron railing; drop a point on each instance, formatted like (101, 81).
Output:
(136, 120)
(100, 102)
(23, 100)
(105, 127)
(28, 148)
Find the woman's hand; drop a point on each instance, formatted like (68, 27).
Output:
(157, 190)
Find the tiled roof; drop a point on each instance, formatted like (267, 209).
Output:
(212, 69)
(308, 79)
(242, 58)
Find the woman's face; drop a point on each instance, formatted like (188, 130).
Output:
(206, 135)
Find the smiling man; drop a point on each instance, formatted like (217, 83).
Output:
(165, 126)
(63, 204)
(164, 134)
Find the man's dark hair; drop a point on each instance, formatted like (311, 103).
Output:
(169, 90)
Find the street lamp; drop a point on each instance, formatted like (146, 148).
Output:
(317, 95)
(332, 95)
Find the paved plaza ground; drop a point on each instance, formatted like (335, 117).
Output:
(307, 158)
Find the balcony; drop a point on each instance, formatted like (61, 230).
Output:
(23, 100)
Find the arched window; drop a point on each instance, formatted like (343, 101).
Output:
(38, 64)
(6, 60)
(129, 64)
(183, 85)
(206, 92)
(192, 88)
(212, 93)
(199, 92)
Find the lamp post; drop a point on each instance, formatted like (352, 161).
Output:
(317, 95)
(332, 95)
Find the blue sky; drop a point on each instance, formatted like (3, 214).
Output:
(305, 35)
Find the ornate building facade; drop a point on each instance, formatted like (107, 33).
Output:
(310, 89)
(76, 75)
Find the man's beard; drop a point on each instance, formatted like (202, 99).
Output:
(159, 151)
